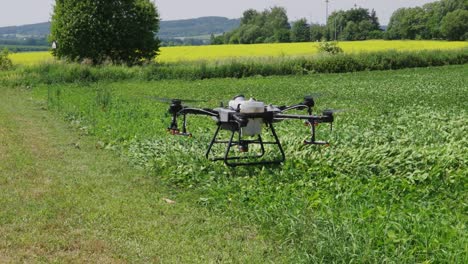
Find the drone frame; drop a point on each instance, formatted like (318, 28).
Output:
(238, 120)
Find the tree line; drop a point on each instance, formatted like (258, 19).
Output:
(124, 31)
(445, 19)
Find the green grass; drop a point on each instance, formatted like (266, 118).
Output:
(391, 188)
(64, 199)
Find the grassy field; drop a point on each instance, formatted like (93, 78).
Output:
(215, 53)
(64, 199)
(391, 188)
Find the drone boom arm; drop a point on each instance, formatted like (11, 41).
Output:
(197, 111)
(308, 104)
(184, 111)
(311, 120)
(327, 118)
(294, 107)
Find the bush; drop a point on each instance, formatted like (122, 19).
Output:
(329, 47)
(5, 62)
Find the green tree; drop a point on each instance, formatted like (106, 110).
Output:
(374, 20)
(408, 23)
(249, 34)
(277, 22)
(353, 24)
(350, 31)
(216, 40)
(336, 23)
(423, 22)
(250, 16)
(454, 26)
(317, 32)
(300, 31)
(271, 25)
(122, 31)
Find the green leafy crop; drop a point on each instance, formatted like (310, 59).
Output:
(391, 188)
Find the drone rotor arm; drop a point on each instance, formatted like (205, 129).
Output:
(327, 117)
(184, 111)
(198, 111)
(294, 107)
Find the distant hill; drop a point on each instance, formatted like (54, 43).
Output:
(169, 29)
(33, 30)
(197, 27)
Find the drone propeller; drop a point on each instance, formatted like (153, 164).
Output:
(170, 100)
(313, 95)
(335, 111)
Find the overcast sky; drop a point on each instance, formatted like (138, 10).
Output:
(20, 12)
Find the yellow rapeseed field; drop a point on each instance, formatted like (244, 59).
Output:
(172, 54)
(211, 53)
(30, 58)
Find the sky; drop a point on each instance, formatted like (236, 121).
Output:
(21, 12)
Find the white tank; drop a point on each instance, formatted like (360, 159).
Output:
(235, 104)
(254, 127)
(252, 106)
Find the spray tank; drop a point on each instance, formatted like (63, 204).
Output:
(254, 126)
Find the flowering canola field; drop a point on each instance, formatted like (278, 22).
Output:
(220, 52)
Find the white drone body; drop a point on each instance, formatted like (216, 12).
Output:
(241, 105)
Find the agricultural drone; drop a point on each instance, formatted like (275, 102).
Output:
(246, 119)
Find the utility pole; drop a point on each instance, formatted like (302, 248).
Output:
(326, 17)
(335, 27)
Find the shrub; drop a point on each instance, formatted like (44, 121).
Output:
(329, 47)
(5, 62)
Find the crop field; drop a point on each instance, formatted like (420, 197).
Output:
(216, 53)
(31, 58)
(390, 188)
(175, 54)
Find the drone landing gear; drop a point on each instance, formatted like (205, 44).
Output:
(313, 141)
(243, 146)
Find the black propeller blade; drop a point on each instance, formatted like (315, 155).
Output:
(313, 95)
(170, 100)
(335, 111)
